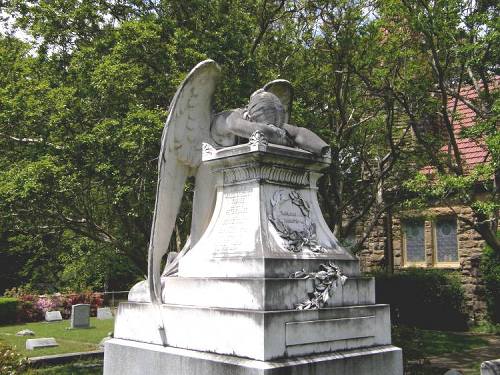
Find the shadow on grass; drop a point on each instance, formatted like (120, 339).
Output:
(419, 344)
(75, 368)
(452, 350)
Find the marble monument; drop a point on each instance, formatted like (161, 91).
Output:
(262, 285)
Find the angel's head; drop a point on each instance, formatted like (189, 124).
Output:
(267, 108)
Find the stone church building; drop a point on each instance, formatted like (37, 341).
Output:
(435, 237)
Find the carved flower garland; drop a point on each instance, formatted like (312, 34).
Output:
(325, 282)
(295, 240)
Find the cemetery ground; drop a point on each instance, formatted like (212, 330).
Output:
(69, 340)
(86, 367)
(432, 352)
(427, 352)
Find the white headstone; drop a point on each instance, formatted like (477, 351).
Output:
(80, 316)
(32, 344)
(25, 332)
(104, 313)
(53, 316)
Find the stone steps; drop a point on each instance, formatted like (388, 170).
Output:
(137, 358)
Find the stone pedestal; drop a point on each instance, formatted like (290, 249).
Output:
(233, 307)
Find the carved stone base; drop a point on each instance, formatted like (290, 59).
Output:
(234, 296)
(260, 335)
(134, 358)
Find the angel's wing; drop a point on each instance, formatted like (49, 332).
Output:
(284, 91)
(186, 128)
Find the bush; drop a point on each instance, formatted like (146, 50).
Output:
(490, 268)
(32, 308)
(423, 298)
(8, 310)
(11, 362)
(28, 311)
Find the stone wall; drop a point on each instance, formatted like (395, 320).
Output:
(372, 254)
(470, 247)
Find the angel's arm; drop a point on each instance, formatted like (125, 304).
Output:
(307, 140)
(236, 124)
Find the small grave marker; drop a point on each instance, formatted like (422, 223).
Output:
(25, 332)
(104, 313)
(80, 316)
(48, 342)
(53, 316)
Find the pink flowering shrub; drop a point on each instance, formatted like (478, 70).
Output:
(46, 303)
(27, 310)
(32, 308)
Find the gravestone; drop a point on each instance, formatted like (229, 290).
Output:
(48, 342)
(25, 332)
(53, 316)
(104, 313)
(80, 316)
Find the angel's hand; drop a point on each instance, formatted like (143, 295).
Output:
(281, 136)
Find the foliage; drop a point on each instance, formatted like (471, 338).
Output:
(84, 96)
(454, 53)
(11, 362)
(8, 310)
(490, 269)
(69, 340)
(32, 308)
(486, 327)
(432, 299)
(28, 311)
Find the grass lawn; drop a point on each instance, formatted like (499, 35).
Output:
(69, 340)
(93, 367)
(418, 345)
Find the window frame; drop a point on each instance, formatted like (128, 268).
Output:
(435, 262)
(406, 262)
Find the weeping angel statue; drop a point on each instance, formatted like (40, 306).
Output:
(190, 123)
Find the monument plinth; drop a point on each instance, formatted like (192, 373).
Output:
(267, 289)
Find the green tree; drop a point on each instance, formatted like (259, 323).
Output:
(82, 107)
(452, 44)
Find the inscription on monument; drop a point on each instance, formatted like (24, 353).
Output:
(237, 212)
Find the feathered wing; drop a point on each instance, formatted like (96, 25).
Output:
(284, 91)
(186, 128)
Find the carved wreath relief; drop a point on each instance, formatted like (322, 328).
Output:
(326, 280)
(294, 225)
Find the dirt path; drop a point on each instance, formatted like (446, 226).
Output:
(468, 361)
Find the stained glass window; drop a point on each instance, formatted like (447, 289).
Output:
(446, 240)
(414, 233)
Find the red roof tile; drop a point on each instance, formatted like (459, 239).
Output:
(473, 152)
